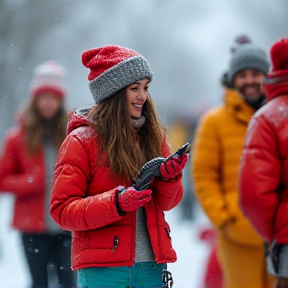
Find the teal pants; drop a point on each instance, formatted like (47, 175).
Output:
(141, 275)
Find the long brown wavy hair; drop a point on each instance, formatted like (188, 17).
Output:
(127, 148)
(36, 128)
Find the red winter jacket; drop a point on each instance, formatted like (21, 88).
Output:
(264, 170)
(83, 201)
(24, 175)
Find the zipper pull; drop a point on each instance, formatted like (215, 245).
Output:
(116, 243)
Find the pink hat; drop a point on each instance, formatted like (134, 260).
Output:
(48, 77)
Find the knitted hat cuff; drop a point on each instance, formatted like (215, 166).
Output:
(43, 84)
(119, 76)
(255, 64)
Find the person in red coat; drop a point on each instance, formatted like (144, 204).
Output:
(264, 166)
(120, 236)
(26, 170)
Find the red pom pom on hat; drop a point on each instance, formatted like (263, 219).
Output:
(99, 60)
(279, 55)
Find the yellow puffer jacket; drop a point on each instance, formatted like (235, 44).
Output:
(216, 154)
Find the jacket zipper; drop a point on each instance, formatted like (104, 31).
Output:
(157, 257)
(133, 235)
(115, 244)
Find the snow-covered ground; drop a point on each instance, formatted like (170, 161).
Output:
(192, 254)
(187, 271)
(13, 270)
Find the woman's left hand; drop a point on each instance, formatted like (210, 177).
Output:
(173, 167)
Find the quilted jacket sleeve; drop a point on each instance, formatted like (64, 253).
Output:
(70, 207)
(206, 166)
(168, 193)
(260, 172)
(11, 179)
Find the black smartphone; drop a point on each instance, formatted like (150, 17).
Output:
(152, 169)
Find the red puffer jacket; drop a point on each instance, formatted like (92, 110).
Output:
(264, 170)
(24, 175)
(83, 201)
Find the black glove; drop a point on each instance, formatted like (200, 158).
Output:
(148, 171)
(275, 251)
(151, 169)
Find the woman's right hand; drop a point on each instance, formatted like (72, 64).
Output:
(130, 199)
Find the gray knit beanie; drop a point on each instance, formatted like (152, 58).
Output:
(248, 56)
(113, 68)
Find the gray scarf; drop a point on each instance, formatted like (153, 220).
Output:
(138, 123)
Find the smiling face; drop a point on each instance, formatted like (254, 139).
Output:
(135, 96)
(248, 82)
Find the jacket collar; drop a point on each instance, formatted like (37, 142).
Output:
(237, 105)
(276, 84)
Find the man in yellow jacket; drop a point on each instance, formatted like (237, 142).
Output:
(217, 149)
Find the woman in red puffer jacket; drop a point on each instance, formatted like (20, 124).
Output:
(27, 169)
(113, 224)
(264, 166)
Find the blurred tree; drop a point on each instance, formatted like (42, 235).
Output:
(186, 42)
(23, 25)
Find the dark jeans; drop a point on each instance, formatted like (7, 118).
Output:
(41, 249)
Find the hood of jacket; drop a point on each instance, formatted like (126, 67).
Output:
(275, 85)
(78, 117)
(237, 105)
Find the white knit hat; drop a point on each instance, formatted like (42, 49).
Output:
(48, 77)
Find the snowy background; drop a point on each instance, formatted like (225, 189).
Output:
(187, 43)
